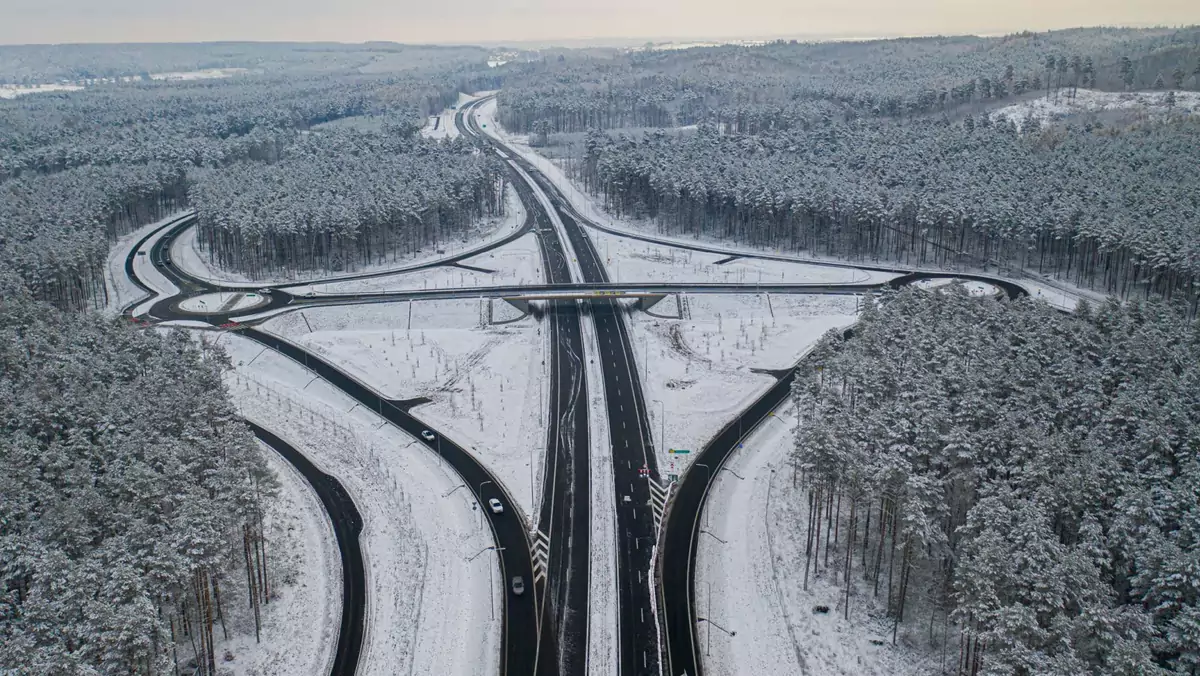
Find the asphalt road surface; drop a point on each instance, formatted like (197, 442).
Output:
(565, 515)
(347, 526)
(634, 466)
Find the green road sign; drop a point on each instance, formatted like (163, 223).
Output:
(678, 450)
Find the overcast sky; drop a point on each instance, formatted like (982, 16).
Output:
(464, 21)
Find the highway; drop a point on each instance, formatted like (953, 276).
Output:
(519, 627)
(681, 529)
(635, 469)
(520, 635)
(546, 632)
(564, 519)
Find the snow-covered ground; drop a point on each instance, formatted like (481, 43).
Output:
(602, 566)
(486, 383)
(1047, 110)
(229, 301)
(518, 262)
(185, 251)
(700, 367)
(431, 611)
(206, 74)
(445, 120)
(121, 290)
(12, 91)
(631, 260)
(300, 624)
(752, 583)
(972, 287)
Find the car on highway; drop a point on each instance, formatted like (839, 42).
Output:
(518, 585)
(495, 506)
(264, 292)
(427, 435)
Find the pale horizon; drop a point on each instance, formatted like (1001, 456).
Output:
(548, 21)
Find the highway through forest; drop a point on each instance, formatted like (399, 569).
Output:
(639, 496)
(546, 632)
(347, 526)
(564, 520)
(520, 635)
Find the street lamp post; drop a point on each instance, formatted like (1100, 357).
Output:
(662, 423)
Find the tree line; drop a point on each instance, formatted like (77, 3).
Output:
(878, 78)
(340, 199)
(79, 170)
(1014, 488)
(131, 497)
(1114, 210)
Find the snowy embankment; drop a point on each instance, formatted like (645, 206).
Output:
(487, 384)
(1057, 107)
(699, 371)
(515, 263)
(186, 253)
(750, 581)
(121, 290)
(421, 589)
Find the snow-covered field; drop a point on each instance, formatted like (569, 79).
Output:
(700, 367)
(518, 262)
(121, 289)
(431, 611)
(486, 383)
(185, 251)
(630, 260)
(300, 624)
(12, 91)
(752, 585)
(1054, 108)
(206, 74)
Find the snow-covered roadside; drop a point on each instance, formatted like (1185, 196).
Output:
(515, 263)
(185, 251)
(300, 624)
(150, 276)
(602, 562)
(750, 580)
(430, 610)
(698, 373)
(121, 290)
(445, 120)
(486, 383)
(631, 260)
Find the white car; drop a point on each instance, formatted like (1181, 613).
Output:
(427, 435)
(497, 508)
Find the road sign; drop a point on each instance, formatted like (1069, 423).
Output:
(679, 450)
(672, 478)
